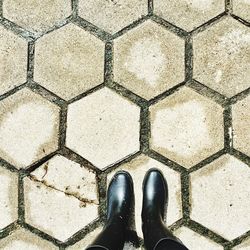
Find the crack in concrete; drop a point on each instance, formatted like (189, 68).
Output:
(46, 168)
(83, 201)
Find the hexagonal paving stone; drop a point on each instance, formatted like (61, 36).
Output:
(34, 15)
(138, 168)
(112, 15)
(149, 60)
(241, 8)
(103, 127)
(8, 197)
(28, 128)
(222, 57)
(56, 182)
(220, 194)
(245, 245)
(241, 125)
(22, 239)
(186, 127)
(188, 14)
(195, 241)
(79, 68)
(13, 58)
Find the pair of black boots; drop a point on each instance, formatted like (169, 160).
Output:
(120, 199)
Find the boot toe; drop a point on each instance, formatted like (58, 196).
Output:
(154, 181)
(155, 195)
(120, 195)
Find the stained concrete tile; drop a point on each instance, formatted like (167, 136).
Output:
(8, 197)
(220, 197)
(28, 128)
(241, 8)
(188, 14)
(56, 182)
(186, 127)
(13, 58)
(222, 57)
(112, 15)
(195, 241)
(103, 127)
(22, 239)
(76, 61)
(149, 60)
(241, 125)
(36, 16)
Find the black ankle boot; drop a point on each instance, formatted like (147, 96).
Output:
(119, 208)
(155, 200)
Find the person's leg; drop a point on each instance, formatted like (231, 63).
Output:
(155, 200)
(168, 244)
(96, 248)
(111, 237)
(119, 206)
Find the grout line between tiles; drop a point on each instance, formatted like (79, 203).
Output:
(30, 65)
(228, 129)
(1, 8)
(150, 7)
(74, 6)
(242, 21)
(21, 204)
(8, 230)
(188, 58)
(185, 195)
(144, 129)
(229, 6)
(62, 126)
(108, 64)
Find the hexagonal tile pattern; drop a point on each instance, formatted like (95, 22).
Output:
(8, 197)
(118, 13)
(138, 168)
(245, 245)
(241, 128)
(241, 8)
(149, 60)
(79, 68)
(28, 128)
(188, 14)
(13, 57)
(195, 241)
(222, 57)
(23, 239)
(36, 16)
(186, 139)
(220, 197)
(56, 182)
(103, 127)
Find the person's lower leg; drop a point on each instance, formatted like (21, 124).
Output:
(119, 206)
(169, 244)
(158, 237)
(112, 237)
(155, 199)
